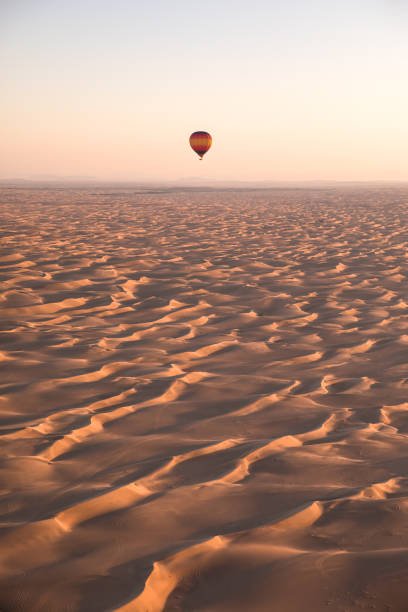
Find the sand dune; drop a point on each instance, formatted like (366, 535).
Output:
(204, 401)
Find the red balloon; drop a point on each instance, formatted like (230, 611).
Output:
(200, 142)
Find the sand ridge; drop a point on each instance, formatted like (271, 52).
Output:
(203, 400)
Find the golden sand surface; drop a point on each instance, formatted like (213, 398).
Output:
(204, 400)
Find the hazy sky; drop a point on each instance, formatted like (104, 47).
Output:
(289, 89)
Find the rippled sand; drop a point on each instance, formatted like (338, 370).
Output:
(204, 401)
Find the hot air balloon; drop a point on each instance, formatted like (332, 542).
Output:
(200, 142)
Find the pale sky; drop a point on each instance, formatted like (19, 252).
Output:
(289, 89)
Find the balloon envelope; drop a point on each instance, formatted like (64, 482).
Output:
(200, 142)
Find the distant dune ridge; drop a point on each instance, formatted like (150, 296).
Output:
(204, 400)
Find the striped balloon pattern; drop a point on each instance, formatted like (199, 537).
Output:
(200, 142)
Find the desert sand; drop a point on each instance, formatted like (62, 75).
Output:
(204, 400)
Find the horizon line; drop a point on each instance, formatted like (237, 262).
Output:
(191, 182)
